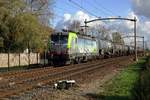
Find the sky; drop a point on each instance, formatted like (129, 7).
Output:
(100, 8)
(67, 10)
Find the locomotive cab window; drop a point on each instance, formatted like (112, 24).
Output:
(59, 39)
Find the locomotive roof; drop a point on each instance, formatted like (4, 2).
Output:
(80, 34)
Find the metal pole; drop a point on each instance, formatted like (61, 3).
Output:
(19, 59)
(37, 56)
(143, 47)
(44, 58)
(85, 26)
(135, 48)
(85, 33)
(8, 58)
(28, 54)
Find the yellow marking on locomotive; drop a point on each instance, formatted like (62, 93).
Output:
(72, 36)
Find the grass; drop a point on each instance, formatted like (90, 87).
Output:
(142, 89)
(121, 87)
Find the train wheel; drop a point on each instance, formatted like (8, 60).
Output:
(71, 61)
(76, 61)
(49, 62)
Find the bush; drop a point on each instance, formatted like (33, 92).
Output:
(147, 64)
(141, 90)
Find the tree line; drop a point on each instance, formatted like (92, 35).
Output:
(24, 24)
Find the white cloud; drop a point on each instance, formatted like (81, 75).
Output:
(79, 16)
(146, 27)
(141, 7)
(123, 26)
(67, 17)
(130, 24)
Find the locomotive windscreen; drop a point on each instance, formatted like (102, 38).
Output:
(59, 39)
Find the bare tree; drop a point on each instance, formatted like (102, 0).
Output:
(103, 33)
(74, 26)
(116, 36)
(40, 8)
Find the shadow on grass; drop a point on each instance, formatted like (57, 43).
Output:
(139, 65)
(141, 89)
(104, 97)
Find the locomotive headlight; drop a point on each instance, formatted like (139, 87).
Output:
(67, 51)
(51, 55)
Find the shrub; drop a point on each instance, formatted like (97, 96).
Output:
(141, 90)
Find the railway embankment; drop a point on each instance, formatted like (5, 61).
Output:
(132, 83)
(109, 79)
(93, 83)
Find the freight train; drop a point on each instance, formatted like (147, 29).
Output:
(68, 47)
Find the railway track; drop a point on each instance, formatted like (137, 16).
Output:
(9, 77)
(23, 72)
(17, 84)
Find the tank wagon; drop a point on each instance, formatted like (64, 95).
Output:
(105, 48)
(131, 50)
(109, 49)
(71, 47)
(122, 50)
(118, 49)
